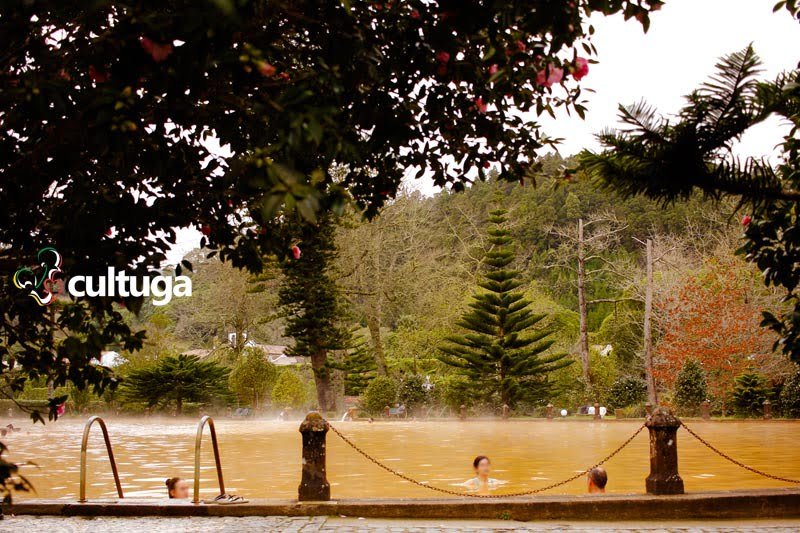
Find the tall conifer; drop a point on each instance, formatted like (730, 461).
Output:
(503, 348)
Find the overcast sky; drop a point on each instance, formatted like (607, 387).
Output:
(685, 39)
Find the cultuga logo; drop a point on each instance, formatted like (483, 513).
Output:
(45, 282)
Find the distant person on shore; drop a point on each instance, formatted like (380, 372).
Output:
(597, 480)
(177, 488)
(482, 482)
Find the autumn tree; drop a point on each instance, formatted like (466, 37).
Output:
(651, 151)
(713, 319)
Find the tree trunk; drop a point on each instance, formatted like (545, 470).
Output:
(583, 341)
(322, 379)
(178, 406)
(337, 380)
(652, 396)
(374, 326)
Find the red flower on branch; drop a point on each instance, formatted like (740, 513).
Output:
(159, 52)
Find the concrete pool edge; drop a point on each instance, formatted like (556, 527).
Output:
(740, 504)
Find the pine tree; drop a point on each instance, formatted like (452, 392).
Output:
(310, 300)
(502, 351)
(358, 366)
(184, 378)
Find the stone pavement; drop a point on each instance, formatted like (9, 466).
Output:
(55, 524)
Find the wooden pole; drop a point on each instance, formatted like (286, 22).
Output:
(314, 484)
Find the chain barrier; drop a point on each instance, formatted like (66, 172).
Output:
(471, 495)
(734, 461)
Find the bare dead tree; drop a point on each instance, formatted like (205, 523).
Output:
(581, 245)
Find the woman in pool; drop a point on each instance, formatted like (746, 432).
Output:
(482, 481)
(177, 488)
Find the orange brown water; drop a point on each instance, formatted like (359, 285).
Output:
(261, 459)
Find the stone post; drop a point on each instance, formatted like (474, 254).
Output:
(767, 410)
(462, 412)
(505, 412)
(648, 408)
(314, 484)
(549, 411)
(597, 411)
(705, 410)
(664, 477)
(619, 414)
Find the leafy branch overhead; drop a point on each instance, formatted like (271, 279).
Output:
(123, 121)
(671, 158)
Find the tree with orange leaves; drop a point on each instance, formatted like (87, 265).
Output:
(714, 318)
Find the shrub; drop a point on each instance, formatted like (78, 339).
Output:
(289, 391)
(749, 394)
(691, 388)
(626, 391)
(412, 392)
(790, 396)
(252, 377)
(381, 391)
(454, 391)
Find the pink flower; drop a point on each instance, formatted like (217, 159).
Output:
(266, 69)
(581, 68)
(414, 14)
(548, 79)
(520, 46)
(159, 52)
(493, 70)
(479, 105)
(442, 56)
(746, 220)
(296, 253)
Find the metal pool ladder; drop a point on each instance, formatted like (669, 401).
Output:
(197, 442)
(84, 444)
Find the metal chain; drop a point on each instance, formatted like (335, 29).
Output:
(734, 461)
(461, 493)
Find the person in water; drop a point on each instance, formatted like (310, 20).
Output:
(597, 480)
(482, 481)
(177, 488)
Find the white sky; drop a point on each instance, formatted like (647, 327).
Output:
(677, 54)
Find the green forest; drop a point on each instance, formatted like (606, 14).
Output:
(398, 300)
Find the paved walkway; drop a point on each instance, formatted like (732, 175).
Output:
(53, 524)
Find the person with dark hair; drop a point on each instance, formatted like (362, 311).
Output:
(597, 480)
(177, 488)
(482, 481)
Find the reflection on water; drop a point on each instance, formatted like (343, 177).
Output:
(261, 459)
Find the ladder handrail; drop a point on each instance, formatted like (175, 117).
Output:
(84, 444)
(197, 442)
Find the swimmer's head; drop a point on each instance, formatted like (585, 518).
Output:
(482, 465)
(177, 488)
(597, 478)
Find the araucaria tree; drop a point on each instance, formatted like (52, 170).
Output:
(184, 378)
(502, 351)
(310, 299)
